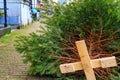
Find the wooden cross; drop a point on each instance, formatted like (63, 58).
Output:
(86, 64)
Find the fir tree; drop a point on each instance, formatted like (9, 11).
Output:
(95, 21)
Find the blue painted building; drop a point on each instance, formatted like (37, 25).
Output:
(18, 12)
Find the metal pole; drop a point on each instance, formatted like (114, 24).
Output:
(5, 13)
(31, 4)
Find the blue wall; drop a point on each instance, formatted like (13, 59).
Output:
(13, 20)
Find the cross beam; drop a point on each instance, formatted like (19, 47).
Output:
(96, 63)
(86, 64)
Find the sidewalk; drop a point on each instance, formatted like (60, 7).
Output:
(11, 65)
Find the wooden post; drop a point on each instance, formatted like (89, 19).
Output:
(86, 64)
(85, 60)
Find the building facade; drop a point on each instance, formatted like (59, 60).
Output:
(18, 12)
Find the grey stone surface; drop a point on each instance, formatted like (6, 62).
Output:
(11, 64)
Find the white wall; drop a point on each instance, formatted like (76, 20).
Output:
(34, 3)
(25, 15)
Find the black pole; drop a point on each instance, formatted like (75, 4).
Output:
(5, 13)
(31, 4)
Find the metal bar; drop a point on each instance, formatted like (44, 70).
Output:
(30, 4)
(5, 13)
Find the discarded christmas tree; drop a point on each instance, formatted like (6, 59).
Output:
(96, 22)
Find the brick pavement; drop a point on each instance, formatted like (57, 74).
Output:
(11, 65)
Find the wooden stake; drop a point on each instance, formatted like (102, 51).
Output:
(85, 60)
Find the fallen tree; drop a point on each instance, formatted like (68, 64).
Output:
(96, 22)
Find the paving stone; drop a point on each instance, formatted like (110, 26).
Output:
(11, 64)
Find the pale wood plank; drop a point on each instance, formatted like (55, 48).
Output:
(85, 60)
(96, 63)
(67, 68)
(108, 62)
